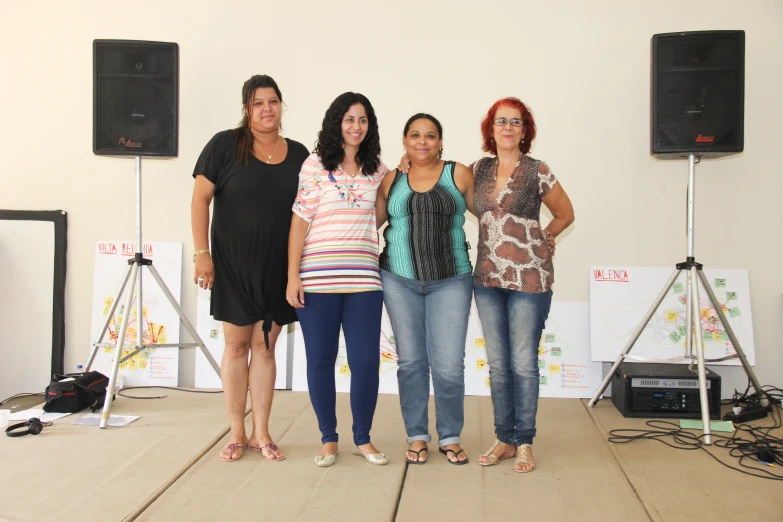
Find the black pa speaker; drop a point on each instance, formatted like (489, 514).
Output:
(135, 98)
(698, 93)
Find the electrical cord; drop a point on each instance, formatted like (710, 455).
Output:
(121, 394)
(753, 401)
(20, 395)
(748, 444)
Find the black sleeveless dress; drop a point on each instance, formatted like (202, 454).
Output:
(251, 217)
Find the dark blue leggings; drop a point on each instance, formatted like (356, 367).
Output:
(360, 316)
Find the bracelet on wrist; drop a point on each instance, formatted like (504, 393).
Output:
(198, 253)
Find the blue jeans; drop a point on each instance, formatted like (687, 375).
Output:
(430, 323)
(512, 322)
(360, 316)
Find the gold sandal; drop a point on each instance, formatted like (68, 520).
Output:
(494, 459)
(522, 458)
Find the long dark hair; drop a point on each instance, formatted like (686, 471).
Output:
(425, 116)
(243, 133)
(330, 139)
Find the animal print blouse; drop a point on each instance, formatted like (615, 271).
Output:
(512, 249)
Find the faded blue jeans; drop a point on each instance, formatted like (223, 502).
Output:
(430, 323)
(512, 322)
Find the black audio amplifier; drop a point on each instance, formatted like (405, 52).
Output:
(655, 390)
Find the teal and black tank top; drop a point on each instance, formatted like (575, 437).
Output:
(424, 239)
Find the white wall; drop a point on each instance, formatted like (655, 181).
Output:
(582, 66)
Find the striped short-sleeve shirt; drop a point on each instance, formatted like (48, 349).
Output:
(340, 252)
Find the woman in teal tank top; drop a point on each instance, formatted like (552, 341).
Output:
(427, 285)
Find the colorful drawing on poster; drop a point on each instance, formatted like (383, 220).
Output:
(564, 357)
(620, 297)
(564, 364)
(159, 322)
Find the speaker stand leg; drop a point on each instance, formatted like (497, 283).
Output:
(695, 329)
(634, 337)
(734, 341)
(118, 351)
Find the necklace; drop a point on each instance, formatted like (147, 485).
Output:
(268, 156)
(340, 167)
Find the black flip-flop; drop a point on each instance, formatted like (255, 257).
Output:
(456, 456)
(418, 456)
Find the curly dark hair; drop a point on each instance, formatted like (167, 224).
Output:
(425, 116)
(243, 134)
(330, 138)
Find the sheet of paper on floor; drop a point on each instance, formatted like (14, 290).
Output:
(115, 421)
(36, 412)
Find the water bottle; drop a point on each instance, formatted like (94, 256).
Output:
(79, 369)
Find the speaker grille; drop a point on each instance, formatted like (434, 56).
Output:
(697, 103)
(698, 93)
(135, 98)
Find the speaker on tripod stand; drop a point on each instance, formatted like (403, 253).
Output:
(135, 101)
(697, 110)
(135, 98)
(698, 94)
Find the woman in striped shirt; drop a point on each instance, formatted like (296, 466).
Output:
(333, 278)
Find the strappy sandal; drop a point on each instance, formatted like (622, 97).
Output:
(456, 456)
(494, 460)
(418, 456)
(271, 447)
(522, 458)
(233, 448)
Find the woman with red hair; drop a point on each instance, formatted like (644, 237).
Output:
(514, 274)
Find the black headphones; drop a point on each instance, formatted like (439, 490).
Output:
(32, 426)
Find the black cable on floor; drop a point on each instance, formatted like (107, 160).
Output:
(20, 395)
(748, 444)
(121, 394)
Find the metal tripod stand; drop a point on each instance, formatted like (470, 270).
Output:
(134, 273)
(692, 318)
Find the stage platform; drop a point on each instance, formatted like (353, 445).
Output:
(166, 467)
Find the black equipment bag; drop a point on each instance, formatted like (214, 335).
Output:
(73, 392)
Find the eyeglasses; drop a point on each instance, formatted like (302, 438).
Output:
(515, 122)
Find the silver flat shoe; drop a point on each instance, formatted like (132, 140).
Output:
(379, 459)
(325, 461)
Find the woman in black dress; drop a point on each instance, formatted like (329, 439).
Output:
(251, 173)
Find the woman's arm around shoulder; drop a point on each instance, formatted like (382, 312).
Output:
(466, 183)
(382, 198)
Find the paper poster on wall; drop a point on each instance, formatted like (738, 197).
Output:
(564, 353)
(159, 323)
(387, 368)
(211, 332)
(621, 296)
(476, 365)
(564, 363)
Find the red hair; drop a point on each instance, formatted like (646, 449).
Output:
(487, 125)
